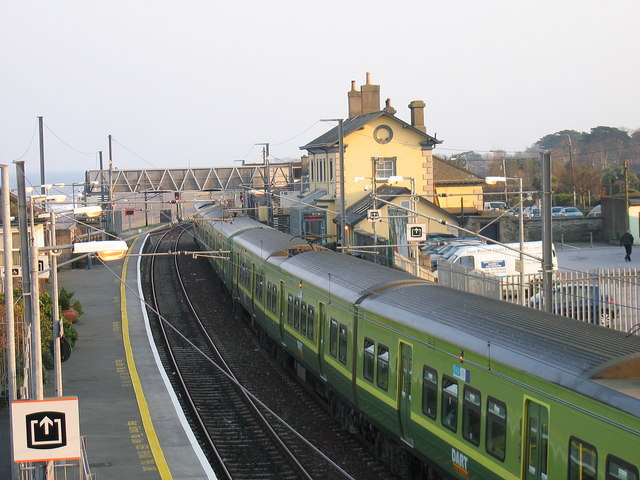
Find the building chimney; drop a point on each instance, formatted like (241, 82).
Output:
(355, 101)
(370, 97)
(417, 115)
(388, 108)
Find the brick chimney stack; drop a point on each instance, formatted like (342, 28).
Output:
(417, 115)
(370, 97)
(355, 101)
(367, 100)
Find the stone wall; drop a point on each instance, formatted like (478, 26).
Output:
(567, 229)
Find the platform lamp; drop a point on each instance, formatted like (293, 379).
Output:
(493, 181)
(106, 250)
(58, 326)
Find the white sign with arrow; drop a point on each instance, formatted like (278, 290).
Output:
(45, 430)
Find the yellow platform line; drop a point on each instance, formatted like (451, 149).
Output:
(154, 444)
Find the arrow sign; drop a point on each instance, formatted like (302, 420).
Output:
(45, 430)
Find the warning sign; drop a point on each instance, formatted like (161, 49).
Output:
(45, 430)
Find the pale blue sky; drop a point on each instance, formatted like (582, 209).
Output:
(197, 83)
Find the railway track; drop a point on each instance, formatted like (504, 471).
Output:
(242, 437)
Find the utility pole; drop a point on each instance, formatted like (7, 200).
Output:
(41, 132)
(573, 175)
(110, 190)
(626, 195)
(267, 181)
(547, 237)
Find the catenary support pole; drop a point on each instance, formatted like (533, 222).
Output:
(42, 175)
(8, 300)
(25, 259)
(547, 236)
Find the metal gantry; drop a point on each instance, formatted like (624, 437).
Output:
(181, 179)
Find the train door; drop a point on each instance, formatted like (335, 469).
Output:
(536, 441)
(322, 318)
(404, 385)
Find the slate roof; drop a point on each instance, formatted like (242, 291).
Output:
(444, 173)
(358, 210)
(350, 125)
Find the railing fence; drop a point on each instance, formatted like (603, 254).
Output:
(609, 297)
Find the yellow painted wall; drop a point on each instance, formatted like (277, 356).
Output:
(471, 196)
(411, 160)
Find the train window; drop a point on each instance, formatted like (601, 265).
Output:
(333, 338)
(272, 295)
(429, 392)
(618, 469)
(368, 360)
(296, 313)
(450, 403)
(583, 460)
(259, 286)
(303, 318)
(383, 367)
(311, 313)
(342, 344)
(496, 441)
(290, 309)
(471, 415)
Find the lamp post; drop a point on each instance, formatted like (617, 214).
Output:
(493, 181)
(58, 326)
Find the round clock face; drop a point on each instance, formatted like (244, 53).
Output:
(383, 134)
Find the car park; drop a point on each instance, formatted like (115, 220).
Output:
(571, 212)
(580, 301)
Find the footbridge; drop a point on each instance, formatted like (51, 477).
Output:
(116, 181)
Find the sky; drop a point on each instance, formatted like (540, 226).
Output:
(198, 83)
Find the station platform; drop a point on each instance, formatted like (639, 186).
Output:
(129, 415)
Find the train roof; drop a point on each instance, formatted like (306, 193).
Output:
(268, 242)
(561, 350)
(345, 276)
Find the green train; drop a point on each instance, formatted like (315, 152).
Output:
(444, 384)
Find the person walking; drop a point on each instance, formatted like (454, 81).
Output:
(627, 242)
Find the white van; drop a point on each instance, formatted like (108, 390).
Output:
(499, 261)
(494, 206)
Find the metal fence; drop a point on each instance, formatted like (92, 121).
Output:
(607, 297)
(61, 469)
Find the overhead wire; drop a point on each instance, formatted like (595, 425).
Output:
(65, 143)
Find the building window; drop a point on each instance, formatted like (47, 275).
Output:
(385, 167)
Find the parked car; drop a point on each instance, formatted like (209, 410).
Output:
(532, 211)
(571, 212)
(580, 301)
(556, 211)
(595, 211)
